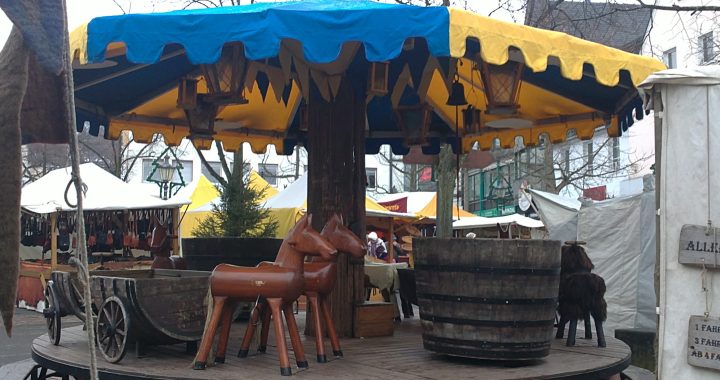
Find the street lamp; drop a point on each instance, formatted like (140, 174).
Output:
(166, 171)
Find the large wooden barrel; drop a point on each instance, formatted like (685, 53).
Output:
(206, 253)
(487, 298)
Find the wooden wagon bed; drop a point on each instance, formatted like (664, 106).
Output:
(399, 357)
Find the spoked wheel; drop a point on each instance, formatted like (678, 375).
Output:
(52, 314)
(112, 329)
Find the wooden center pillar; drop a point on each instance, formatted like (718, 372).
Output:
(336, 183)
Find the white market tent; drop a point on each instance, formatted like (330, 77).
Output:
(104, 192)
(687, 160)
(288, 205)
(483, 222)
(620, 237)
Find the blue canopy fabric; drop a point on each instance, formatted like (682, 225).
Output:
(321, 26)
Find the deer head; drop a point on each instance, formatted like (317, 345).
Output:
(342, 237)
(303, 238)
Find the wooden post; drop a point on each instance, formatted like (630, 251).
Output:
(391, 247)
(176, 230)
(336, 183)
(53, 241)
(445, 186)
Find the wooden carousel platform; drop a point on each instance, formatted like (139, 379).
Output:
(397, 357)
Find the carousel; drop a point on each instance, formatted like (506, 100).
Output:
(342, 78)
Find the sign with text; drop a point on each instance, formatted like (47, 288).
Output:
(704, 342)
(699, 245)
(398, 205)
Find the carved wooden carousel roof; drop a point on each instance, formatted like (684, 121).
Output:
(243, 74)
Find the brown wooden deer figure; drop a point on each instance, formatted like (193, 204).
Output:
(280, 284)
(320, 278)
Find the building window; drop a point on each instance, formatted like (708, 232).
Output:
(590, 156)
(371, 174)
(269, 173)
(217, 167)
(707, 47)
(187, 170)
(670, 58)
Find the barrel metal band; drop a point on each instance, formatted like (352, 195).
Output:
(486, 323)
(488, 270)
(486, 300)
(483, 344)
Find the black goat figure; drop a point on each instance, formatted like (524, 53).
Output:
(581, 295)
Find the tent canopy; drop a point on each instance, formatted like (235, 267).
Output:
(104, 192)
(481, 222)
(128, 68)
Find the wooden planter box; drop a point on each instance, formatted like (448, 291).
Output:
(374, 319)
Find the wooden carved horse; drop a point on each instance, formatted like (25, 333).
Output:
(160, 247)
(320, 278)
(280, 284)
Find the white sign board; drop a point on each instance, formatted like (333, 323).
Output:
(704, 342)
(699, 245)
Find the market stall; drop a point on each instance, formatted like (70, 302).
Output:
(509, 226)
(687, 123)
(118, 221)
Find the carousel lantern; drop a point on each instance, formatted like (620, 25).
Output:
(457, 94)
(502, 87)
(415, 122)
(471, 119)
(187, 93)
(378, 84)
(225, 78)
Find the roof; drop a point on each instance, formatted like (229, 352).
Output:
(622, 26)
(696, 76)
(104, 192)
(136, 61)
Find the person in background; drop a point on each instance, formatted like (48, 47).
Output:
(376, 247)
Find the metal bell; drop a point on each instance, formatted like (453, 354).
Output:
(457, 95)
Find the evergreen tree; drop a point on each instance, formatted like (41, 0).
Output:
(239, 214)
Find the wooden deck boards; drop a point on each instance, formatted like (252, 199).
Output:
(398, 357)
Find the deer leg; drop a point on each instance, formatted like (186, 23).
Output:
(295, 336)
(275, 308)
(319, 343)
(571, 333)
(209, 334)
(332, 333)
(225, 323)
(561, 327)
(600, 333)
(265, 330)
(588, 327)
(250, 330)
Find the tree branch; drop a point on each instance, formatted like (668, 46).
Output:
(680, 8)
(212, 171)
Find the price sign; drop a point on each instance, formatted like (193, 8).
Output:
(704, 342)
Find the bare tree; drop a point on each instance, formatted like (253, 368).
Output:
(115, 156)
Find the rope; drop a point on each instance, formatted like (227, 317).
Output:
(67, 189)
(69, 99)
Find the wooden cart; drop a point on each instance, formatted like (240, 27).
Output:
(140, 307)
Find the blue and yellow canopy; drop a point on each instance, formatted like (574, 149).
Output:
(127, 70)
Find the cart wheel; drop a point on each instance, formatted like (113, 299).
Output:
(52, 315)
(112, 329)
